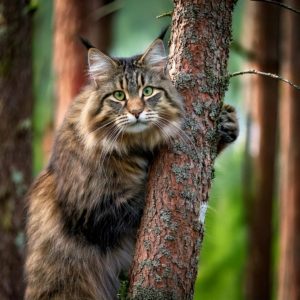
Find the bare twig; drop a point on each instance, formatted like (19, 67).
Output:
(107, 9)
(266, 75)
(280, 4)
(166, 14)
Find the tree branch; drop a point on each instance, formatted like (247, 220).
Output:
(266, 75)
(106, 10)
(166, 14)
(280, 4)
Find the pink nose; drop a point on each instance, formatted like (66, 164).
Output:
(136, 112)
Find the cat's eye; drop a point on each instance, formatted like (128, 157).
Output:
(119, 95)
(148, 91)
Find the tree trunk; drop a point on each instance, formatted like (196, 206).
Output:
(264, 110)
(15, 135)
(72, 19)
(289, 267)
(165, 263)
(69, 54)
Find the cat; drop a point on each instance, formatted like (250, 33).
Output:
(85, 207)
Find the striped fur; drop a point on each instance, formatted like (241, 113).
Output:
(85, 207)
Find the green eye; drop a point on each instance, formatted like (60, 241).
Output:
(119, 95)
(148, 91)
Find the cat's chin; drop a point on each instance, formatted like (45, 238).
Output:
(137, 127)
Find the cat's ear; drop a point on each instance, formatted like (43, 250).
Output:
(101, 66)
(155, 56)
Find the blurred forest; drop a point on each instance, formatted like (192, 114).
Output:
(251, 248)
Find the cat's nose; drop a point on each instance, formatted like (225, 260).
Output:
(135, 106)
(136, 112)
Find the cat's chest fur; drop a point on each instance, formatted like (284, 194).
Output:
(101, 202)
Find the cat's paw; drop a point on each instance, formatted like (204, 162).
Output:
(228, 126)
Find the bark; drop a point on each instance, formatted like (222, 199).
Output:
(165, 263)
(264, 110)
(15, 135)
(72, 19)
(69, 63)
(289, 266)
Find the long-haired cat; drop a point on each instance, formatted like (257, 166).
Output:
(85, 207)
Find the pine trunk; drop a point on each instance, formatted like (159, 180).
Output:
(165, 263)
(289, 267)
(15, 143)
(264, 110)
(69, 54)
(73, 19)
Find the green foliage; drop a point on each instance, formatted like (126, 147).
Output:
(136, 25)
(223, 251)
(31, 6)
(123, 290)
(42, 77)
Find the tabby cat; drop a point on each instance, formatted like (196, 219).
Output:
(86, 206)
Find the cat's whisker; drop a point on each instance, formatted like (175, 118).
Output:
(101, 127)
(167, 122)
(184, 137)
(151, 112)
(121, 118)
(118, 134)
(114, 139)
(111, 138)
(123, 123)
(106, 146)
(152, 116)
(165, 134)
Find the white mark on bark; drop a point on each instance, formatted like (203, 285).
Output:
(203, 209)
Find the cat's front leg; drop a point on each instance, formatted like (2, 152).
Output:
(228, 127)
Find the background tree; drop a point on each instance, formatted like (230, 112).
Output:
(262, 41)
(90, 19)
(72, 19)
(289, 268)
(165, 264)
(69, 62)
(15, 133)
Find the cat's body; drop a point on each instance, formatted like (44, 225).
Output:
(85, 208)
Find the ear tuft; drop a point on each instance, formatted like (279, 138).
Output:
(100, 65)
(155, 56)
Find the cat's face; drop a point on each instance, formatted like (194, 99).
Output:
(134, 97)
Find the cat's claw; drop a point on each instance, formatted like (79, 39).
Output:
(228, 126)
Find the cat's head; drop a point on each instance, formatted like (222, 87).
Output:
(132, 99)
